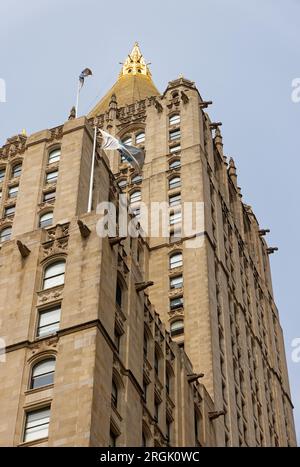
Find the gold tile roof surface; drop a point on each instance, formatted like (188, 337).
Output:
(134, 83)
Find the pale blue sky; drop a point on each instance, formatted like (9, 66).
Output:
(242, 55)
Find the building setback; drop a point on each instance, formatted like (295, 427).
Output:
(166, 340)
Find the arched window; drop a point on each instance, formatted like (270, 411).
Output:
(137, 179)
(43, 373)
(127, 140)
(174, 119)
(16, 171)
(54, 275)
(119, 294)
(54, 156)
(177, 327)
(175, 164)
(175, 260)
(174, 182)
(5, 234)
(140, 138)
(114, 394)
(46, 220)
(135, 197)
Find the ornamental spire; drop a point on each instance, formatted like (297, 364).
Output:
(135, 63)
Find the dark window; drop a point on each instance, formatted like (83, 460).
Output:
(176, 303)
(167, 382)
(119, 295)
(156, 363)
(112, 439)
(2, 175)
(177, 327)
(114, 395)
(145, 345)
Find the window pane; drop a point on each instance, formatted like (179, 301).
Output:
(177, 327)
(175, 135)
(17, 170)
(127, 140)
(135, 197)
(37, 424)
(54, 275)
(43, 374)
(5, 234)
(175, 164)
(175, 149)
(122, 183)
(51, 177)
(54, 156)
(175, 218)
(176, 282)
(175, 119)
(176, 303)
(13, 191)
(137, 179)
(9, 211)
(175, 200)
(49, 322)
(176, 261)
(2, 175)
(49, 196)
(140, 138)
(46, 219)
(174, 182)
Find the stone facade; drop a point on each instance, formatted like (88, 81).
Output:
(129, 354)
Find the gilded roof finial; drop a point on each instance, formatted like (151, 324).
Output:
(135, 63)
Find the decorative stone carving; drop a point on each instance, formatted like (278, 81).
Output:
(56, 133)
(51, 295)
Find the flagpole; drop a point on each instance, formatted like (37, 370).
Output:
(77, 98)
(92, 171)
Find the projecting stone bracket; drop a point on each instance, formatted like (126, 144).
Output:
(205, 104)
(24, 251)
(140, 286)
(194, 377)
(84, 230)
(271, 250)
(215, 415)
(263, 232)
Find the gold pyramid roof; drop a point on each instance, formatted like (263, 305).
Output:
(134, 83)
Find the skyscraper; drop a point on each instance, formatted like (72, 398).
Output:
(179, 323)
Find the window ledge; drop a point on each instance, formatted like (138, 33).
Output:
(36, 390)
(33, 443)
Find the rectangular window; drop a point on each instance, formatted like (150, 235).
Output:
(48, 321)
(10, 211)
(175, 218)
(175, 149)
(51, 177)
(13, 191)
(176, 303)
(37, 424)
(175, 135)
(2, 175)
(176, 282)
(175, 200)
(49, 196)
